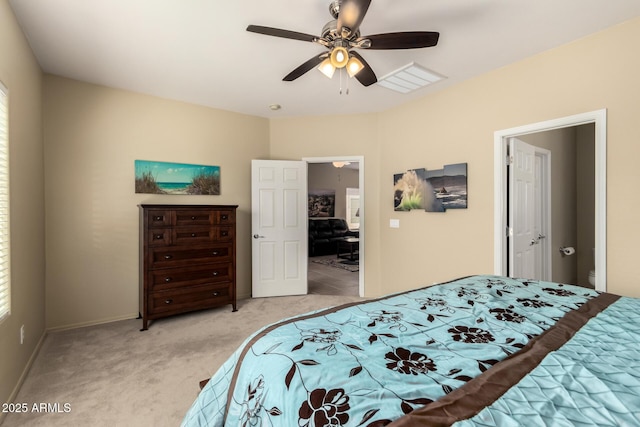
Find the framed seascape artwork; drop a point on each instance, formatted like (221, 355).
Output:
(453, 192)
(432, 190)
(176, 178)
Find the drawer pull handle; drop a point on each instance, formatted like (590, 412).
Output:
(215, 273)
(168, 301)
(225, 217)
(193, 217)
(168, 256)
(224, 233)
(193, 234)
(167, 279)
(215, 252)
(215, 294)
(158, 236)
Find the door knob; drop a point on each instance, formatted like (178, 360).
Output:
(257, 236)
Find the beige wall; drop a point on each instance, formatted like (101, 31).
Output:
(457, 125)
(93, 135)
(20, 74)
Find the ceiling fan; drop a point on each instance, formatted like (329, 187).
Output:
(341, 36)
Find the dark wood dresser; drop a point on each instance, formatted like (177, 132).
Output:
(187, 259)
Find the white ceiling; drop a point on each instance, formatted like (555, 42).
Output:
(198, 50)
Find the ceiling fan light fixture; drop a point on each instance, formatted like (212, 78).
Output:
(354, 66)
(340, 164)
(327, 68)
(339, 57)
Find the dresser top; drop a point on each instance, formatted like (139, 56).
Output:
(165, 206)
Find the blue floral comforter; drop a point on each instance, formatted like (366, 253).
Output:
(370, 363)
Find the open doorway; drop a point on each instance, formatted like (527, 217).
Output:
(597, 120)
(564, 199)
(336, 222)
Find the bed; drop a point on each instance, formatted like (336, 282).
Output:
(475, 351)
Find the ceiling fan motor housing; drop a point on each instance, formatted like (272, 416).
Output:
(330, 32)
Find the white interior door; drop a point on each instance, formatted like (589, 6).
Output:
(524, 244)
(279, 227)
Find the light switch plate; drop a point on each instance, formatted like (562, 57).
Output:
(394, 223)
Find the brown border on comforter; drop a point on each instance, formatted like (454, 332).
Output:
(468, 400)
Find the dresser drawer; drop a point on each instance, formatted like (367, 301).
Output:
(159, 237)
(185, 218)
(225, 217)
(225, 234)
(158, 218)
(173, 278)
(162, 257)
(192, 298)
(187, 235)
(193, 235)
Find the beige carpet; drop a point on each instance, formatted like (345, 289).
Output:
(115, 375)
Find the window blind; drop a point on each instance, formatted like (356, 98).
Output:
(5, 274)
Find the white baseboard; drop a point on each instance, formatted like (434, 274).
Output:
(92, 323)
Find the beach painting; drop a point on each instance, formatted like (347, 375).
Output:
(176, 178)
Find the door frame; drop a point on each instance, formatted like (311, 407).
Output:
(599, 119)
(361, 245)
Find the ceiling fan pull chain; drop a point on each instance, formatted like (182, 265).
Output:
(347, 78)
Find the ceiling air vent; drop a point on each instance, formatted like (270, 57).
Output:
(409, 78)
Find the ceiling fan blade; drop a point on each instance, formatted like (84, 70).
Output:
(366, 76)
(277, 32)
(310, 64)
(351, 14)
(405, 40)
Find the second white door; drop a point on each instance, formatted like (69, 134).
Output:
(525, 233)
(279, 227)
